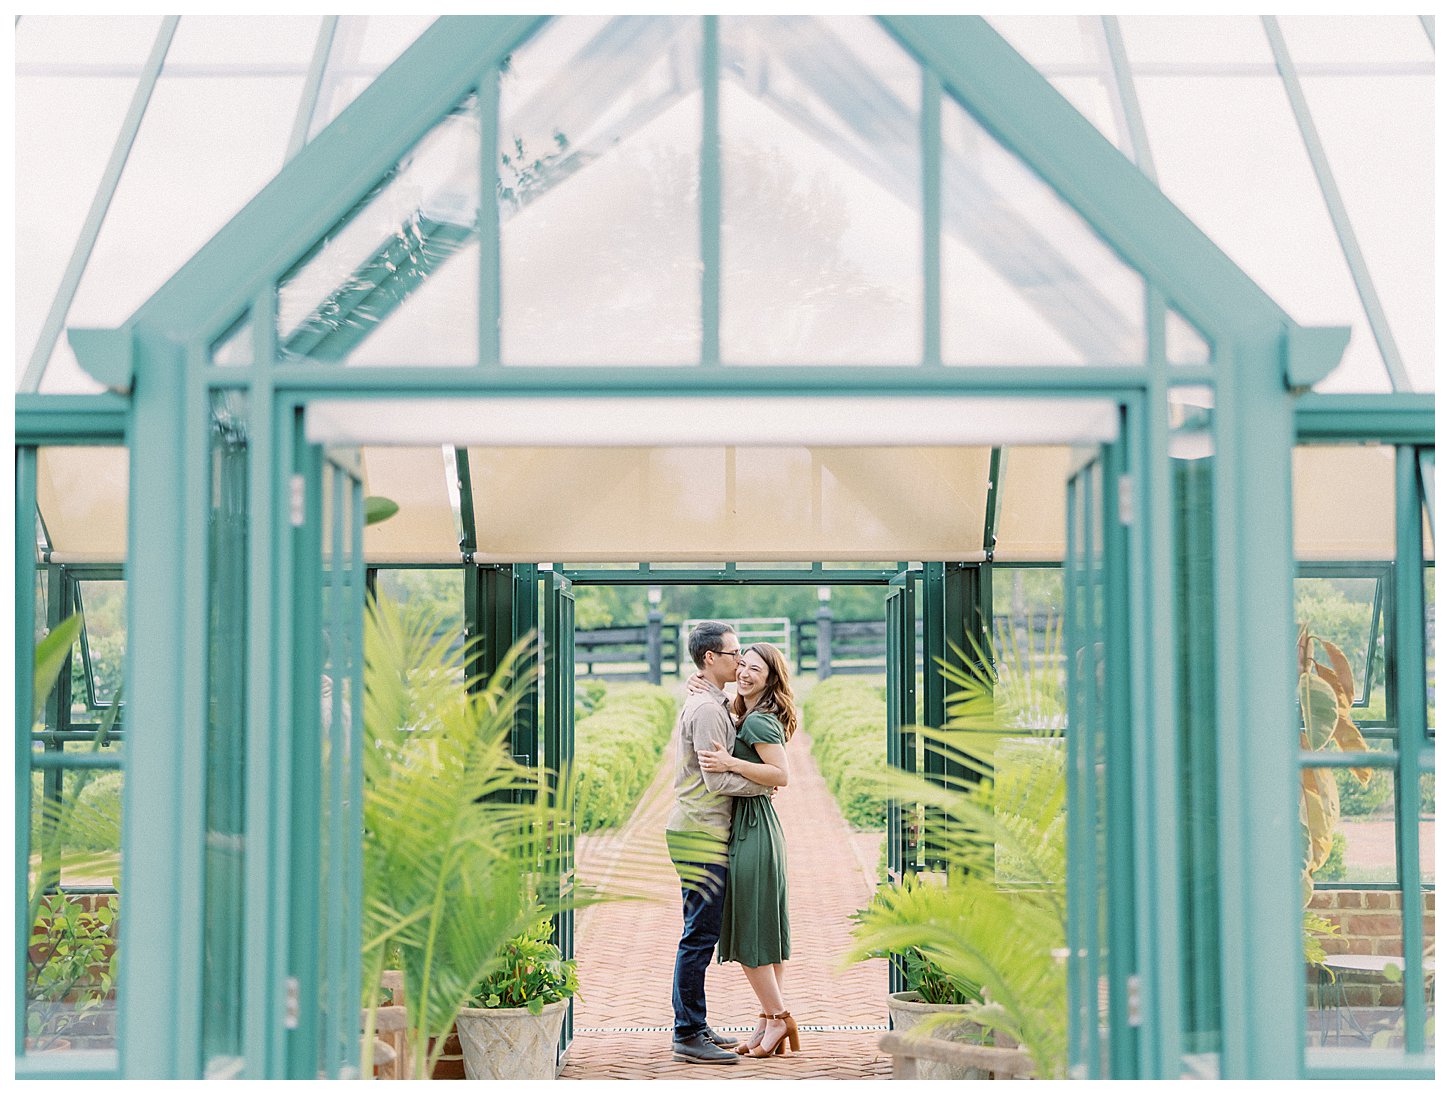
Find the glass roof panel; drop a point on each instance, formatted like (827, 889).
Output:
(396, 282)
(604, 269)
(74, 79)
(214, 133)
(1025, 280)
(1376, 126)
(1185, 345)
(821, 193)
(1228, 152)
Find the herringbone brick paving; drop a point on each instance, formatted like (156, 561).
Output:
(626, 951)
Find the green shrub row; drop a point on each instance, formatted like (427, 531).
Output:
(846, 719)
(617, 751)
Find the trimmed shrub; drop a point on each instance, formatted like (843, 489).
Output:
(846, 719)
(617, 752)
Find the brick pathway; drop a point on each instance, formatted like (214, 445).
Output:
(626, 951)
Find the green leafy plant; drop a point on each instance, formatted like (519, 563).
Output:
(997, 916)
(844, 716)
(70, 968)
(458, 838)
(1326, 698)
(531, 973)
(1316, 930)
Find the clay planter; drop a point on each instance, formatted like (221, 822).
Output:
(511, 1043)
(908, 1009)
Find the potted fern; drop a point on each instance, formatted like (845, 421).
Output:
(995, 920)
(455, 831)
(510, 1028)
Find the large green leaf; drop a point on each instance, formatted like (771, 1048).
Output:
(50, 655)
(1320, 708)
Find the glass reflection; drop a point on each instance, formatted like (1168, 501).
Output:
(821, 203)
(605, 269)
(396, 281)
(1025, 280)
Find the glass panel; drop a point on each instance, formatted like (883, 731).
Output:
(821, 193)
(235, 347)
(1027, 607)
(1362, 842)
(226, 737)
(75, 820)
(442, 591)
(103, 604)
(1342, 610)
(605, 269)
(1025, 280)
(1185, 345)
(227, 99)
(1220, 127)
(362, 46)
(1370, 84)
(396, 281)
(74, 78)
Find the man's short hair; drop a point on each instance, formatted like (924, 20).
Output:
(705, 637)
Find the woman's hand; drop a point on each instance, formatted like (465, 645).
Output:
(716, 759)
(697, 683)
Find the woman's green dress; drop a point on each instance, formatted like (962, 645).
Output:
(755, 924)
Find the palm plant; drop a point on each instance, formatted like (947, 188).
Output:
(455, 832)
(997, 916)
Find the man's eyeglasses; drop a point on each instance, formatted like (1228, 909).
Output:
(731, 653)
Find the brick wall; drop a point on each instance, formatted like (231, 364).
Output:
(1369, 922)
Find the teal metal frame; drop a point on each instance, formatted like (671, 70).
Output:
(1260, 358)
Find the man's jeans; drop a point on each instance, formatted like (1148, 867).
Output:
(703, 907)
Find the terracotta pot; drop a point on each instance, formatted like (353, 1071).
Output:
(511, 1043)
(908, 1009)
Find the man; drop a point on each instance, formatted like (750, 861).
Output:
(698, 830)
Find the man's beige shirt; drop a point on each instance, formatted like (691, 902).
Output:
(704, 801)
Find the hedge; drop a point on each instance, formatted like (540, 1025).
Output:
(846, 719)
(617, 752)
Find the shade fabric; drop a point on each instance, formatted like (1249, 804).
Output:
(82, 495)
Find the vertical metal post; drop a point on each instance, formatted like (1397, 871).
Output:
(824, 620)
(654, 636)
(1409, 630)
(25, 462)
(931, 93)
(710, 200)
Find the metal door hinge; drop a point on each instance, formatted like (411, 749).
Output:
(294, 1005)
(1127, 503)
(299, 500)
(1135, 1000)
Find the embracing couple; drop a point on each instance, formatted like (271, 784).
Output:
(726, 842)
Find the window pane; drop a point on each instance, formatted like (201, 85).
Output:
(1341, 610)
(74, 78)
(1220, 127)
(104, 606)
(396, 281)
(1025, 280)
(214, 133)
(602, 268)
(821, 204)
(362, 46)
(1027, 605)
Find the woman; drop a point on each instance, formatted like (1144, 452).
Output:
(756, 924)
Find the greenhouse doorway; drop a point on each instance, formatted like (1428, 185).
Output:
(1095, 497)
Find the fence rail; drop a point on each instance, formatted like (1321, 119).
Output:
(658, 649)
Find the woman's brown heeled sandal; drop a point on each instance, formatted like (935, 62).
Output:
(790, 1035)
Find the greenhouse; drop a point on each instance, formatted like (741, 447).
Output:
(1065, 383)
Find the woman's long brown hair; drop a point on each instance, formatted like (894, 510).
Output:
(776, 698)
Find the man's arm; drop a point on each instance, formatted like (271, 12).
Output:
(709, 723)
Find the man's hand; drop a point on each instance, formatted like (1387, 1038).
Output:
(697, 683)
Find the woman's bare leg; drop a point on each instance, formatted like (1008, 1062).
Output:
(764, 984)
